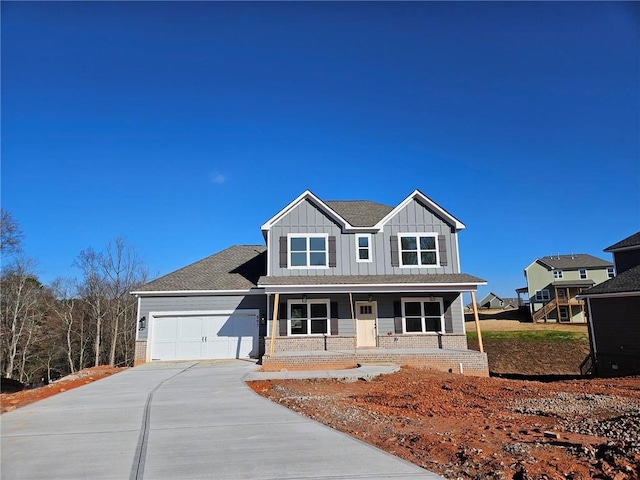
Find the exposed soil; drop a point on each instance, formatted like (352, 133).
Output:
(482, 428)
(11, 401)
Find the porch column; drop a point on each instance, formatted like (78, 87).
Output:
(274, 319)
(477, 320)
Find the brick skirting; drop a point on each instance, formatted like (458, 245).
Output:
(141, 353)
(467, 362)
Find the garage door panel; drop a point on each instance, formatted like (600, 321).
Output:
(205, 336)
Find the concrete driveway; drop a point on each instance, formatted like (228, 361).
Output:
(181, 420)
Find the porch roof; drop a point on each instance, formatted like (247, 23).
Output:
(573, 283)
(453, 282)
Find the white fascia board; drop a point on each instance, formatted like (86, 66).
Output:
(174, 293)
(307, 194)
(622, 249)
(430, 204)
(609, 295)
(375, 288)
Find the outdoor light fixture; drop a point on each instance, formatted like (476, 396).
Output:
(304, 299)
(142, 323)
(370, 298)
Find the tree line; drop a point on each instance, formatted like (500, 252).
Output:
(53, 330)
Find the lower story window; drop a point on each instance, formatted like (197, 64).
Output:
(308, 318)
(421, 315)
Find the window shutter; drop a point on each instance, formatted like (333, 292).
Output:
(442, 250)
(282, 321)
(395, 258)
(397, 316)
(334, 318)
(332, 251)
(283, 252)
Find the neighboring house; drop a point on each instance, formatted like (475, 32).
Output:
(345, 280)
(554, 282)
(614, 313)
(491, 300)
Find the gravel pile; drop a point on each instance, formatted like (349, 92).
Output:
(607, 416)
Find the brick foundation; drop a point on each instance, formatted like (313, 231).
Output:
(141, 353)
(467, 362)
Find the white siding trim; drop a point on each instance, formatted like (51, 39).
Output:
(430, 205)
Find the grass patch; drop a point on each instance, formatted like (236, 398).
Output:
(530, 335)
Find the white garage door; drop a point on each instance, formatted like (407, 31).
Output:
(191, 337)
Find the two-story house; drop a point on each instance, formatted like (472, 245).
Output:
(339, 282)
(554, 282)
(613, 309)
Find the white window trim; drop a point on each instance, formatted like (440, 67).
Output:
(586, 274)
(309, 301)
(358, 247)
(611, 272)
(422, 299)
(558, 274)
(541, 298)
(418, 234)
(307, 236)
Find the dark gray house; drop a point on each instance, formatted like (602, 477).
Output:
(614, 313)
(338, 282)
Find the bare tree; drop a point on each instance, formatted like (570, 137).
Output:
(10, 234)
(93, 291)
(21, 314)
(63, 306)
(109, 276)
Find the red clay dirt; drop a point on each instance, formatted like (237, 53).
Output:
(482, 428)
(11, 401)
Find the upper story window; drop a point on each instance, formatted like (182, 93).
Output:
(611, 272)
(363, 247)
(558, 274)
(422, 315)
(418, 249)
(308, 250)
(583, 273)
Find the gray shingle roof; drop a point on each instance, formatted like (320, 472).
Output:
(573, 262)
(359, 213)
(631, 241)
(573, 283)
(628, 281)
(370, 279)
(235, 268)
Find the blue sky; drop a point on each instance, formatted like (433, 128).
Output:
(184, 126)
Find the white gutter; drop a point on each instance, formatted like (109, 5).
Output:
(609, 295)
(375, 288)
(173, 293)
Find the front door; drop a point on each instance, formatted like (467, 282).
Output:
(366, 323)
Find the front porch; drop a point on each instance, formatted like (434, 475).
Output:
(467, 362)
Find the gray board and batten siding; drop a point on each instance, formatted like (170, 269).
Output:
(413, 218)
(199, 303)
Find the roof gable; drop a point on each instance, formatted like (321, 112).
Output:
(364, 215)
(429, 204)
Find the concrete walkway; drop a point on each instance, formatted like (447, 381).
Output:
(181, 420)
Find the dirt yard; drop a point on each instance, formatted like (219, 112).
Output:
(482, 428)
(11, 401)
